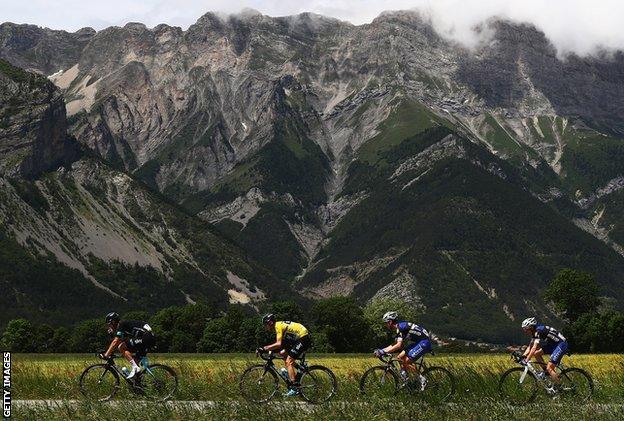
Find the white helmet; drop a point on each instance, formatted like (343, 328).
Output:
(390, 316)
(530, 322)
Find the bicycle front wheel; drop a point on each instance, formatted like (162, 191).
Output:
(379, 382)
(158, 382)
(258, 384)
(576, 384)
(518, 387)
(318, 384)
(439, 385)
(99, 382)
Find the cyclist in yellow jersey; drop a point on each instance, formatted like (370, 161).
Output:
(292, 341)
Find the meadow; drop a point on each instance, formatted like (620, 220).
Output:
(214, 377)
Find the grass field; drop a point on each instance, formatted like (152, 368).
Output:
(215, 378)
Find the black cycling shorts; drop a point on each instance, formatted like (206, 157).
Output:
(299, 347)
(141, 345)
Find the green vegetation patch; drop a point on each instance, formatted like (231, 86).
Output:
(590, 159)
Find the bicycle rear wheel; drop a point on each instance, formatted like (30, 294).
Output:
(517, 387)
(99, 382)
(576, 384)
(258, 384)
(379, 382)
(439, 387)
(158, 382)
(318, 384)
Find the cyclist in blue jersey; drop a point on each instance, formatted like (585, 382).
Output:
(545, 340)
(412, 340)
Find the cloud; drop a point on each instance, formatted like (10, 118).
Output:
(580, 26)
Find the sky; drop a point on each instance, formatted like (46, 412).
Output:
(580, 26)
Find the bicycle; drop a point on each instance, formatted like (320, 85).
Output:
(155, 381)
(519, 385)
(260, 382)
(385, 380)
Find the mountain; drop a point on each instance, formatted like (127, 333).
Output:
(372, 160)
(79, 238)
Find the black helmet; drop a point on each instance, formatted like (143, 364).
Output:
(268, 318)
(112, 317)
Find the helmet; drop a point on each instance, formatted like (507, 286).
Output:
(530, 322)
(390, 316)
(268, 318)
(112, 317)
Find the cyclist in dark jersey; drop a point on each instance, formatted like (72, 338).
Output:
(412, 340)
(130, 337)
(545, 340)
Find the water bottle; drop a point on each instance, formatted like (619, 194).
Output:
(404, 375)
(284, 373)
(125, 371)
(144, 362)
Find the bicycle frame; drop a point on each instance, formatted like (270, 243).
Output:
(395, 364)
(529, 367)
(300, 365)
(110, 363)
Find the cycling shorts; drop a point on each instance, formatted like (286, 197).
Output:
(297, 348)
(418, 349)
(556, 351)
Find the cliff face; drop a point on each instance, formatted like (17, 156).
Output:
(33, 125)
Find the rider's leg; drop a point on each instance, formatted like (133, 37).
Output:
(123, 349)
(555, 358)
(290, 366)
(553, 374)
(405, 361)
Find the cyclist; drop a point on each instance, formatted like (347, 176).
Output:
(412, 340)
(544, 340)
(130, 337)
(292, 341)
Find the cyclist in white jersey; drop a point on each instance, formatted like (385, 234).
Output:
(545, 340)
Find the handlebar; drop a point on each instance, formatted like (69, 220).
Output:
(110, 357)
(267, 355)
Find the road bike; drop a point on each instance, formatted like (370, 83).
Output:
(434, 384)
(260, 382)
(519, 385)
(101, 382)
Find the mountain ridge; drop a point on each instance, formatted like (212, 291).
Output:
(280, 131)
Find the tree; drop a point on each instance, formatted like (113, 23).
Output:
(42, 338)
(573, 293)
(288, 310)
(178, 329)
(18, 336)
(61, 340)
(90, 336)
(342, 320)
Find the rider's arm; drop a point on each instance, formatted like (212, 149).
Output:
(274, 346)
(114, 344)
(528, 348)
(532, 350)
(279, 332)
(394, 347)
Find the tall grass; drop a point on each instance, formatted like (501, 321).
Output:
(215, 378)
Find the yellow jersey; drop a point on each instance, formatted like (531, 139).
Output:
(290, 331)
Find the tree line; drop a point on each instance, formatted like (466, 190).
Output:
(592, 323)
(337, 324)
